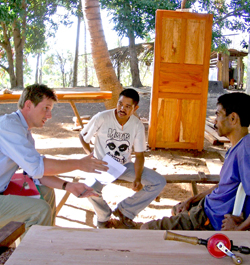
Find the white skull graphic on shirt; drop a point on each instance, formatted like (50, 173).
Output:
(118, 145)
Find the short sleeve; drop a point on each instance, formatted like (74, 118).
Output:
(91, 128)
(140, 139)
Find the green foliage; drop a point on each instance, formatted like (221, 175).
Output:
(34, 17)
(73, 6)
(9, 10)
(39, 19)
(35, 21)
(137, 16)
(233, 15)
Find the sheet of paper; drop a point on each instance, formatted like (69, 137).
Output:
(115, 171)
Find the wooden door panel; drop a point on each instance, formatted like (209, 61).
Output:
(180, 85)
(181, 68)
(167, 130)
(189, 120)
(172, 76)
(171, 31)
(195, 37)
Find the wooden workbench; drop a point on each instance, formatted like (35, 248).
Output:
(66, 97)
(54, 245)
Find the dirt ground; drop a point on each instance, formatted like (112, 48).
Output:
(58, 139)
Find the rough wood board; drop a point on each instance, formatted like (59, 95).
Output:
(10, 232)
(214, 134)
(211, 139)
(63, 96)
(58, 246)
(214, 165)
(185, 178)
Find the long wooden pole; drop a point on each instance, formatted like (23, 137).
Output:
(183, 4)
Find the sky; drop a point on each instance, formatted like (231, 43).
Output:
(66, 37)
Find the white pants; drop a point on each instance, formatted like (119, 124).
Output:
(152, 182)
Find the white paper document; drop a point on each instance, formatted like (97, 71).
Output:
(115, 171)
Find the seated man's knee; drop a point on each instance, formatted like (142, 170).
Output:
(45, 213)
(159, 179)
(163, 181)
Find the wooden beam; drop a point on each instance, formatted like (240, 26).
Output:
(225, 70)
(186, 178)
(194, 188)
(215, 135)
(240, 72)
(212, 139)
(10, 232)
(219, 66)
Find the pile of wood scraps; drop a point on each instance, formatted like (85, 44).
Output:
(212, 136)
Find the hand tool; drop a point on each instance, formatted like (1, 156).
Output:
(224, 249)
(218, 245)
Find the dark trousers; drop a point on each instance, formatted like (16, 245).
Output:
(194, 219)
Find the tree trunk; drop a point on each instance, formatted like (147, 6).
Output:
(118, 69)
(40, 80)
(85, 55)
(37, 68)
(19, 57)
(136, 82)
(19, 32)
(75, 71)
(183, 4)
(7, 47)
(248, 69)
(11, 70)
(104, 69)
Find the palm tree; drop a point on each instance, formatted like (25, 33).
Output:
(103, 66)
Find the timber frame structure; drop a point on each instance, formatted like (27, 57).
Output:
(230, 67)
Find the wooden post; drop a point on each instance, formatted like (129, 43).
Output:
(240, 72)
(76, 112)
(248, 68)
(225, 70)
(219, 67)
(183, 4)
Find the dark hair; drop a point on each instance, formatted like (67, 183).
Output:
(36, 93)
(238, 103)
(131, 93)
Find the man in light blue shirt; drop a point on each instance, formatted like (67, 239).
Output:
(17, 150)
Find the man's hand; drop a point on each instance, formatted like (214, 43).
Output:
(92, 165)
(137, 186)
(182, 206)
(231, 222)
(80, 190)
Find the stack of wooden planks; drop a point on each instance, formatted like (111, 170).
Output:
(212, 136)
